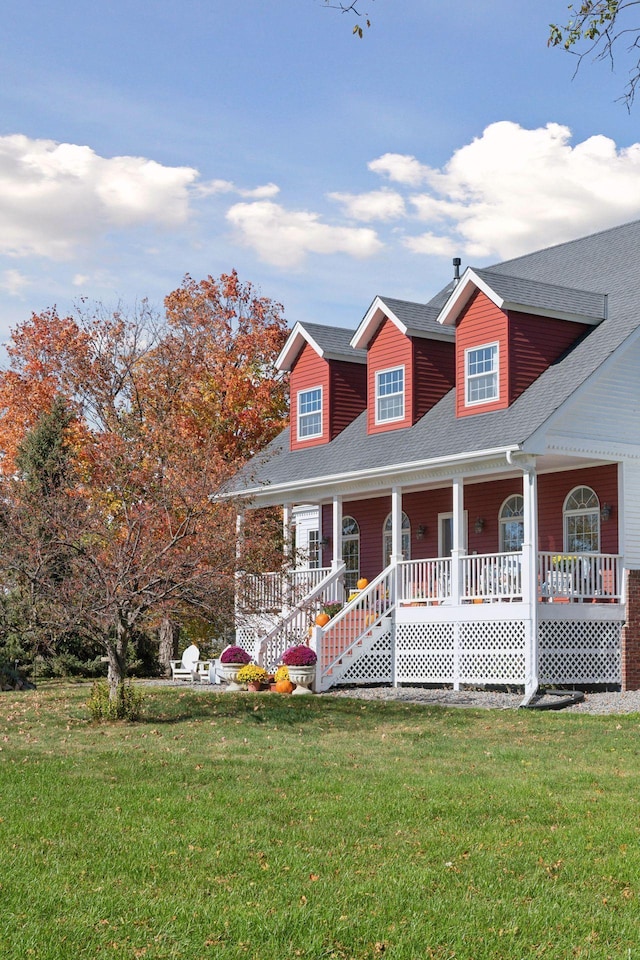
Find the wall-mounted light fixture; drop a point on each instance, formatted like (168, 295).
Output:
(420, 532)
(324, 542)
(479, 525)
(605, 512)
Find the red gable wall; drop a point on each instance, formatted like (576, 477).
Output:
(389, 348)
(309, 371)
(482, 322)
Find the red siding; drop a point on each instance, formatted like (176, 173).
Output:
(534, 344)
(309, 371)
(482, 322)
(388, 349)
(434, 373)
(348, 394)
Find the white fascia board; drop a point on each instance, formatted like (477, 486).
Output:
(397, 472)
(464, 290)
(371, 321)
(293, 346)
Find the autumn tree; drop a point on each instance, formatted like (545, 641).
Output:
(602, 30)
(158, 414)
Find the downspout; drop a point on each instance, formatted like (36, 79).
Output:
(530, 560)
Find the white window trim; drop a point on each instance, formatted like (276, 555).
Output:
(404, 391)
(310, 436)
(502, 521)
(468, 350)
(465, 530)
(566, 514)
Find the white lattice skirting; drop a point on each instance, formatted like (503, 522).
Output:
(374, 666)
(473, 652)
(580, 651)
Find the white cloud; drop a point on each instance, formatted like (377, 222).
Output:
(513, 190)
(55, 197)
(400, 168)
(13, 282)
(261, 193)
(284, 237)
(80, 280)
(431, 244)
(376, 205)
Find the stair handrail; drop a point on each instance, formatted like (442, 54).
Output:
(307, 606)
(359, 604)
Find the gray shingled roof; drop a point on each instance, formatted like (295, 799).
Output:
(419, 318)
(335, 342)
(546, 296)
(606, 262)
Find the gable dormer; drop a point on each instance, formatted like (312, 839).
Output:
(410, 362)
(508, 331)
(327, 384)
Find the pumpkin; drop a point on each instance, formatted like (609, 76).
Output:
(362, 583)
(322, 619)
(284, 686)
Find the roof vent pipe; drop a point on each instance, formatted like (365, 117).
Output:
(456, 271)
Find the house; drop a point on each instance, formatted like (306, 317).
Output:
(476, 458)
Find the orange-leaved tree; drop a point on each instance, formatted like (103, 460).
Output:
(158, 413)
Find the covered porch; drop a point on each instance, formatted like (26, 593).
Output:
(550, 609)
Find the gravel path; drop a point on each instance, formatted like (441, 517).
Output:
(594, 703)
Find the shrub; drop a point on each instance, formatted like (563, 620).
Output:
(234, 655)
(126, 706)
(299, 656)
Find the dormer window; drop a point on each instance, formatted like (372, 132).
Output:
(481, 374)
(310, 413)
(390, 395)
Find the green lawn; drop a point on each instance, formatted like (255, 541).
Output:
(260, 826)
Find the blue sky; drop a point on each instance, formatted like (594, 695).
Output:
(140, 142)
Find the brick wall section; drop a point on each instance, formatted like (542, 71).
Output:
(631, 634)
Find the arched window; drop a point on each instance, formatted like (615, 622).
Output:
(387, 539)
(511, 523)
(351, 552)
(581, 515)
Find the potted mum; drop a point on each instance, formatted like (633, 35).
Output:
(300, 660)
(231, 660)
(253, 675)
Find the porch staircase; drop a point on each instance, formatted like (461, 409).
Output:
(355, 646)
(347, 667)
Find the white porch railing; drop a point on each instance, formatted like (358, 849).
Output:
(425, 581)
(272, 592)
(294, 626)
(580, 576)
(572, 578)
(360, 615)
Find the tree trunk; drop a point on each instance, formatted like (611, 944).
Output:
(169, 635)
(117, 653)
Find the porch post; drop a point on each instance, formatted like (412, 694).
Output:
(237, 605)
(396, 525)
(286, 531)
(336, 553)
(530, 574)
(457, 552)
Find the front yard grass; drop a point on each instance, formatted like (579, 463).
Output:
(266, 827)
